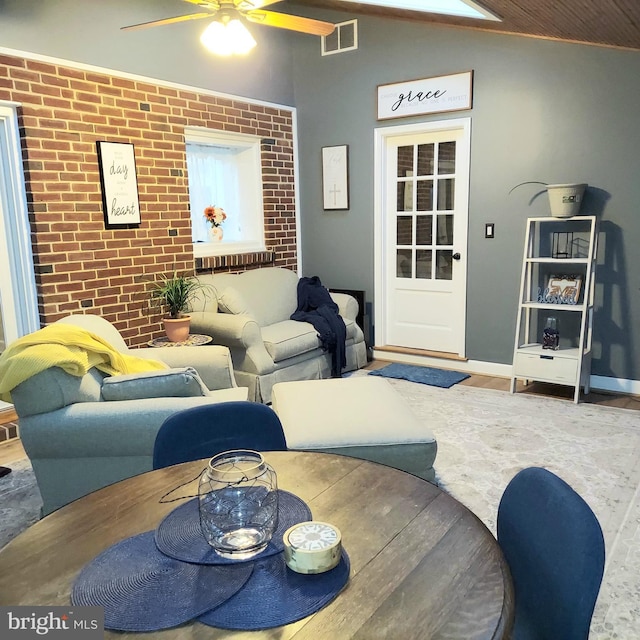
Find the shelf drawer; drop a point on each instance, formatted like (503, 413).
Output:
(548, 368)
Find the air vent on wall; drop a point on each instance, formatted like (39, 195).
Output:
(343, 38)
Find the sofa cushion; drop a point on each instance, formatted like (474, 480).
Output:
(230, 300)
(289, 338)
(177, 383)
(269, 294)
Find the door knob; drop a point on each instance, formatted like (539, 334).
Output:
(456, 256)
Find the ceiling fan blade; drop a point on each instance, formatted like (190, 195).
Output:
(244, 5)
(212, 5)
(294, 23)
(157, 23)
(250, 5)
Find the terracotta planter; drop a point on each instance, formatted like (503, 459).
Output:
(177, 329)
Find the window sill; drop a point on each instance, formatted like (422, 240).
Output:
(211, 249)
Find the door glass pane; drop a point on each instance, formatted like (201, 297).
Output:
(444, 262)
(403, 263)
(404, 230)
(424, 225)
(405, 161)
(444, 232)
(405, 196)
(425, 195)
(447, 157)
(425, 160)
(423, 263)
(445, 194)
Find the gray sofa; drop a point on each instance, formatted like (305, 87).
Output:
(83, 433)
(250, 313)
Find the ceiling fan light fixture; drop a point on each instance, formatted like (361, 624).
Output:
(227, 37)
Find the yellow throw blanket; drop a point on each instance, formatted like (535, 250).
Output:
(71, 348)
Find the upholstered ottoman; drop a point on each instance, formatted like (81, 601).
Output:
(363, 417)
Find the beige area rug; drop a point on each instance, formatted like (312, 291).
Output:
(485, 437)
(20, 500)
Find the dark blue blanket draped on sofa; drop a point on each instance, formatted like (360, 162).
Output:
(316, 306)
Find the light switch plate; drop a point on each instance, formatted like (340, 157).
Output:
(489, 230)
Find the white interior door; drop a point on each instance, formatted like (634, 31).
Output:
(422, 206)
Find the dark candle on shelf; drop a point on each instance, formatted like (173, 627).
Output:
(550, 334)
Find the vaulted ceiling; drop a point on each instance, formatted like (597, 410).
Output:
(614, 23)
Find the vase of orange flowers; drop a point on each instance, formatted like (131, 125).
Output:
(215, 216)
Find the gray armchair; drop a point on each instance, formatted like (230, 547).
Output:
(83, 433)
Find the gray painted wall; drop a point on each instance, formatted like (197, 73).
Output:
(542, 111)
(547, 111)
(89, 32)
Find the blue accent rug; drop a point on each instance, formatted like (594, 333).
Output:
(423, 375)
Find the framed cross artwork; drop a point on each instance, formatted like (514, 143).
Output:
(335, 178)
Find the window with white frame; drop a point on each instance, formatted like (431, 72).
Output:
(343, 38)
(225, 171)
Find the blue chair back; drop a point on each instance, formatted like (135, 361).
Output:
(202, 432)
(554, 547)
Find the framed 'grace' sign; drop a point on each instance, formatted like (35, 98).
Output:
(429, 95)
(119, 184)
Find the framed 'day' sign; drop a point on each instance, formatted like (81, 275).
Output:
(119, 184)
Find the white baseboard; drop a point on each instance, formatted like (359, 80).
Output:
(617, 385)
(601, 383)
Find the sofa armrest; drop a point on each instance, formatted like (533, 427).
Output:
(228, 329)
(212, 362)
(241, 333)
(347, 305)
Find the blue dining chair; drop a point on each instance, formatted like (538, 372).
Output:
(202, 432)
(554, 547)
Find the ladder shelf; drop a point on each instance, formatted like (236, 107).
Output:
(556, 292)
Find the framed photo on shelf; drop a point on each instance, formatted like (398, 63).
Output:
(119, 183)
(335, 178)
(563, 289)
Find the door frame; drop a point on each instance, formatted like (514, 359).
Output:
(381, 134)
(18, 292)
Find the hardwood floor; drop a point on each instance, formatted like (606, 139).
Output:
(563, 392)
(12, 449)
(10, 445)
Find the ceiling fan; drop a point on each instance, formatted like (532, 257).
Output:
(227, 16)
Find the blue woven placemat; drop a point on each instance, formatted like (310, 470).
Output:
(142, 589)
(423, 375)
(179, 534)
(275, 596)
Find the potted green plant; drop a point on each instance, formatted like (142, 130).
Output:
(175, 294)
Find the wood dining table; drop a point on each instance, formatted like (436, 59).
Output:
(421, 564)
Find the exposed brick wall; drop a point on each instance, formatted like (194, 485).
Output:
(81, 267)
